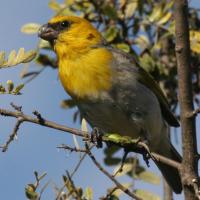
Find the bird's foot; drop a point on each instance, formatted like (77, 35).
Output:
(96, 137)
(146, 153)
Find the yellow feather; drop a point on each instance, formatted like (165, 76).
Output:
(84, 71)
(88, 75)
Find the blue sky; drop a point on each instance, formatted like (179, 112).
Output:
(35, 148)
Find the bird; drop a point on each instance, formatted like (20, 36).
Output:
(113, 92)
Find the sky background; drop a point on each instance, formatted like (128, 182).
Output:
(35, 148)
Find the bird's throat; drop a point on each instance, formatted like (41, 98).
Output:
(87, 75)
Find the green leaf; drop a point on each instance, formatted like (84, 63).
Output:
(111, 34)
(30, 28)
(165, 18)
(195, 41)
(119, 192)
(29, 56)
(20, 55)
(156, 14)
(149, 177)
(11, 58)
(18, 89)
(142, 41)
(84, 125)
(109, 151)
(17, 58)
(54, 5)
(2, 57)
(10, 86)
(110, 161)
(127, 167)
(123, 46)
(110, 11)
(30, 192)
(88, 193)
(131, 8)
(43, 44)
(146, 195)
(2, 89)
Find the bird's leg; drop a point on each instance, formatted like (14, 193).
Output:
(144, 142)
(126, 151)
(96, 137)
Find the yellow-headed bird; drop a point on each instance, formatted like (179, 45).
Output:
(113, 92)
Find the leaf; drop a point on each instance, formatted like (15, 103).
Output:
(195, 41)
(2, 89)
(128, 167)
(18, 89)
(88, 193)
(149, 177)
(30, 28)
(17, 58)
(111, 34)
(10, 86)
(142, 41)
(146, 195)
(123, 46)
(131, 8)
(156, 14)
(165, 18)
(110, 11)
(43, 44)
(119, 192)
(2, 57)
(29, 56)
(110, 161)
(11, 58)
(20, 55)
(84, 126)
(30, 192)
(109, 151)
(55, 6)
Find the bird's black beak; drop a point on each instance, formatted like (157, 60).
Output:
(46, 32)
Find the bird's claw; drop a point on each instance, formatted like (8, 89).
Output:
(96, 137)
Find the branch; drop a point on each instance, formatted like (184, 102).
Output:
(123, 142)
(190, 162)
(46, 123)
(118, 184)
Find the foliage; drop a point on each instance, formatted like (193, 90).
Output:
(15, 58)
(145, 29)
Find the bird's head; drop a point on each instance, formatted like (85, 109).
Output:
(69, 33)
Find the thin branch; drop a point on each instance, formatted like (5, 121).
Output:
(75, 169)
(13, 135)
(166, 161)
(72, 149)
(46, 123)
(138, 147)
(118, 184)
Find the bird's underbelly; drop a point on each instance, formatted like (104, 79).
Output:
(142, 122)
(111, 119)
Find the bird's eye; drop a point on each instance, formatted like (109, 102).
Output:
(64, 24)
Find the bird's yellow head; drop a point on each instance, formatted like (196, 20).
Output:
(70, 34)
(84, 67)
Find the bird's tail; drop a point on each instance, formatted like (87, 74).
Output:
(170, 173)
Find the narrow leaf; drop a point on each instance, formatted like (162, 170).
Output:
(146, 195)
(30, 28)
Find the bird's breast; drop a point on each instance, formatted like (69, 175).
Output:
(88, 75)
